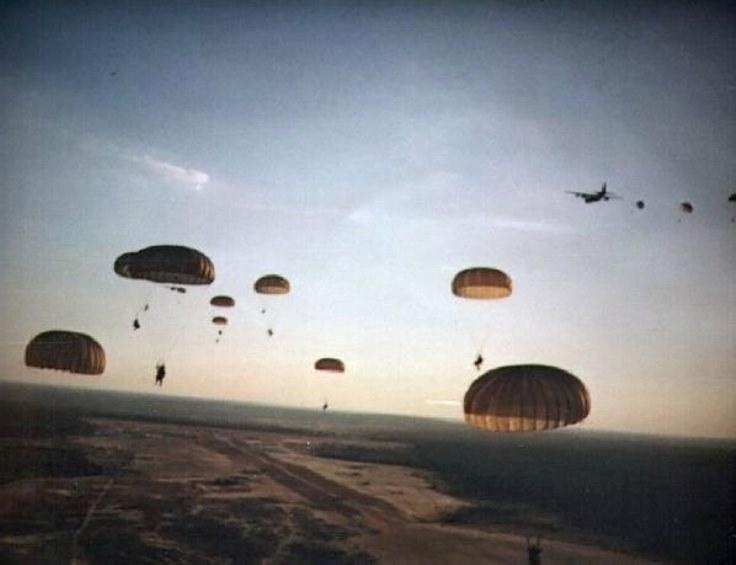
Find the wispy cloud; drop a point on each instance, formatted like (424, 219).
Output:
(191, 178)
(438, 198)
(532, 226)
(366, 217)
(443, 402)
(169, 172)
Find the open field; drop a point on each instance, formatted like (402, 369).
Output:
(181, 493)
(84, 488)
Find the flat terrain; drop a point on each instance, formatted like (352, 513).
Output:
(126, 491)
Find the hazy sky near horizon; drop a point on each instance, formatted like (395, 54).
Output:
(368, 154)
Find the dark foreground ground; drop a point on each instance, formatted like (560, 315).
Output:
(92, 477)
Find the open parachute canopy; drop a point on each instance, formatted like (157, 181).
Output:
(686, 207)
(330, 364)
(481, 283)
(521, 398)
(219, 321)
(223, 301)
(173, 264)
(66, 351)
(271, 284)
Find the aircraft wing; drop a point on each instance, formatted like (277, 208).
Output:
(579, 194)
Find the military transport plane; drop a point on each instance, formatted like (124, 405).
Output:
(591, 197)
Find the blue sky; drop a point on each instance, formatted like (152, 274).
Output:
(367, 154)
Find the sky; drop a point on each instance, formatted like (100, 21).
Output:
(367, 153)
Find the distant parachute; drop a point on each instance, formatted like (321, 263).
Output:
(520, 398)
(66, 351)
(640, 204)
(268, 287)
(686, 207)
(329, 364)
(732, 198)
(172, 264)
(222, 301)
(271, 284)
(481, 283)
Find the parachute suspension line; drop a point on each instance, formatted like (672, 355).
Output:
(479, 327)
(500, 341)
(477, 332)
(177, 334)
(145, 330)
(157, 346)
(147, 303)
(161, 347)
(268, 309)
(485, 336)
(142, 310)
(320, 423)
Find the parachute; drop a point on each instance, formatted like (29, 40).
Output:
(222, 301)
(66, 351)
(271, 284)
(267, 286)
(172, 264)
(332, 365)
(685, 208)
(329, 364)
(481, 283)
(732, 198)
(640, 204)
(521, 398)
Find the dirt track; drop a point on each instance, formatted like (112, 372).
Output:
(319, 491)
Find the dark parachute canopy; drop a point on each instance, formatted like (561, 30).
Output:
(330, 364)
(172, 264)
(271, 284)
(269, 287)
(481, 283)
(223, 301)
(66, 351)
(520, 398)
(640, 204)
(219, 321)
(732, 198)
(686, 207)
